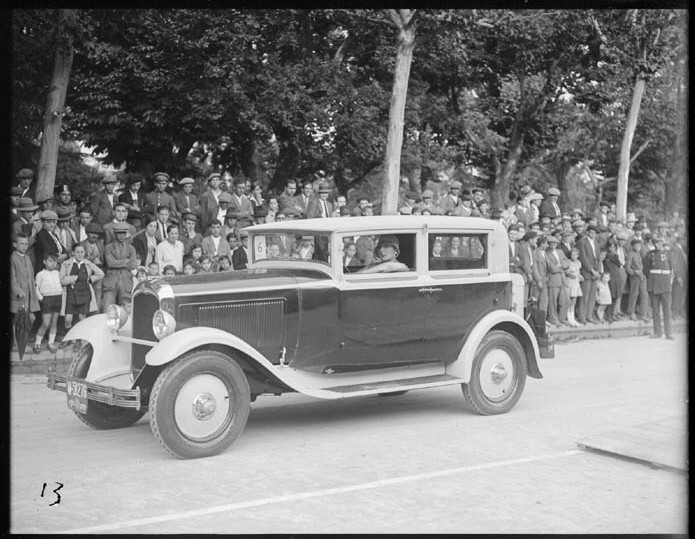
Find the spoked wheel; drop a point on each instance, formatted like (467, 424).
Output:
(199, 404)
(99, 415)
(498, 375)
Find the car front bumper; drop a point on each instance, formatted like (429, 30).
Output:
(124, 398)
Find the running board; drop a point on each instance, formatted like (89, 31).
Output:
(390, 386)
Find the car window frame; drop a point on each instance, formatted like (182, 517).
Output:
(463, 272)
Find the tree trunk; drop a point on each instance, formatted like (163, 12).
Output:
(247, 159)
(503, 179)
(399, 93)
(624, 169)
(53, 117)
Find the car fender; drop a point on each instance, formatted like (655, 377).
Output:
(502, 320)
(110, 357)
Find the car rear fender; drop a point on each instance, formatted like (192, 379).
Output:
(110, 357)
(497, 320)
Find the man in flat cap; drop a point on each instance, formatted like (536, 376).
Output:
(239, 205)
(186, 201)
(591, 271)
(320, 206)
(208, 202)
(159, 197)
(427, 201)
(120, 259)
(104, 201)
(132, 196)
(549, 207)
(450, 202)
(189, 236)
(25, 177)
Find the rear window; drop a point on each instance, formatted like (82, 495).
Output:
(457, 251)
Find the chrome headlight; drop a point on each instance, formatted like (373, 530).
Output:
(163, 324)
(116, 317)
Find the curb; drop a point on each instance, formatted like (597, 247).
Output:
(44, 361)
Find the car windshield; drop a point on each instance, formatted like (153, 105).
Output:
(292, 246)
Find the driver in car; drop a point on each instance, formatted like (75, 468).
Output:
(388, 253)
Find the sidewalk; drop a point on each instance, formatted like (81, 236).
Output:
(40, 363)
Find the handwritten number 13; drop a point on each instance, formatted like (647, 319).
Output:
(54, 492)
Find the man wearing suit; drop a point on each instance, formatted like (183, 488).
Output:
(215, 245)
(189, 237)
(133, 197)
(302, 200)
(186, 201)
(288, 206)
(159, 197)
(320, 207)
(566, 244)
(25, 177)
(449, 203)
(539, 287)
(591, 271)
(514, 252)
(637, 281)
(240, 206)
(526, 250)
(104, 201)
(240, 255)
(208, 203)
(65, 233)
(83, 219)
(549, 206)
(120, 213)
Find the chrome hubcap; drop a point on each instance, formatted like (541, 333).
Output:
(497, 375)
(202, 407)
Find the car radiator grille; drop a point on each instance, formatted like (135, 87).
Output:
(259, 323)
(144, 306)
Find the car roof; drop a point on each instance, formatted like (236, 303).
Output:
(377, 222)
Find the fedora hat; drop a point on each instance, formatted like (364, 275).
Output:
(26, 204)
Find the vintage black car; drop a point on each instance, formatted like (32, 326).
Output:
(332, 308)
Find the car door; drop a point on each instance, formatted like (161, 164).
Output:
(382, 315)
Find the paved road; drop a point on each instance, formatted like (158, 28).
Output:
(417, 463)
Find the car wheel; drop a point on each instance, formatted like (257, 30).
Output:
(498, 375)
(393, 393)
(99, 415)
(199, 404)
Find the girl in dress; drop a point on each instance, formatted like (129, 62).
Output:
(574, 275)
(603, 295)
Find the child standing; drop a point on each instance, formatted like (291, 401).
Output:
(50, 294)
(22, 285)
(76, 274)
(603, 295)
(574, 275)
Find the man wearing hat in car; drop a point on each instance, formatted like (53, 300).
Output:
(25, 177)
(132, 196)
(549, 206)
(450, 202)
(104, 201)
(320, 206)
(120, 258)
(186, 201)
(159, 197)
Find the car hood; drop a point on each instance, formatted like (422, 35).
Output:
(223, 281)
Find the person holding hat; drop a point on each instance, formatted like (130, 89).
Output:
(104, 201)
(208, 202)
(47, 241)
(450, 202)
(549, 206)
(132, 196)
(25, 212)
(320, 206)
(121, 259)
(159, 196)
(239, 205)
(657, 268)
(25, 177)
(388, 249)
(186, 201)
(591, 271)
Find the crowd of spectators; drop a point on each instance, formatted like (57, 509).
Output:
(75, 257)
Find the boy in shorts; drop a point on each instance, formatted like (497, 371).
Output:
(50, 294)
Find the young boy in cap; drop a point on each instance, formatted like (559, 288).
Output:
(120, 261)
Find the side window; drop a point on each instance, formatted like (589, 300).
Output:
(379, 253)
(457, 251)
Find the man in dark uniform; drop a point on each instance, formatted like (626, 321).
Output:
(159, 197)
(657, 268)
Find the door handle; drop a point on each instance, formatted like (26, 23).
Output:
(429, 290)
(432, 290)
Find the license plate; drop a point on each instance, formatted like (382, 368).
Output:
(77, 395)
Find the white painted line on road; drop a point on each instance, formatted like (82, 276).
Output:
(315, 493)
